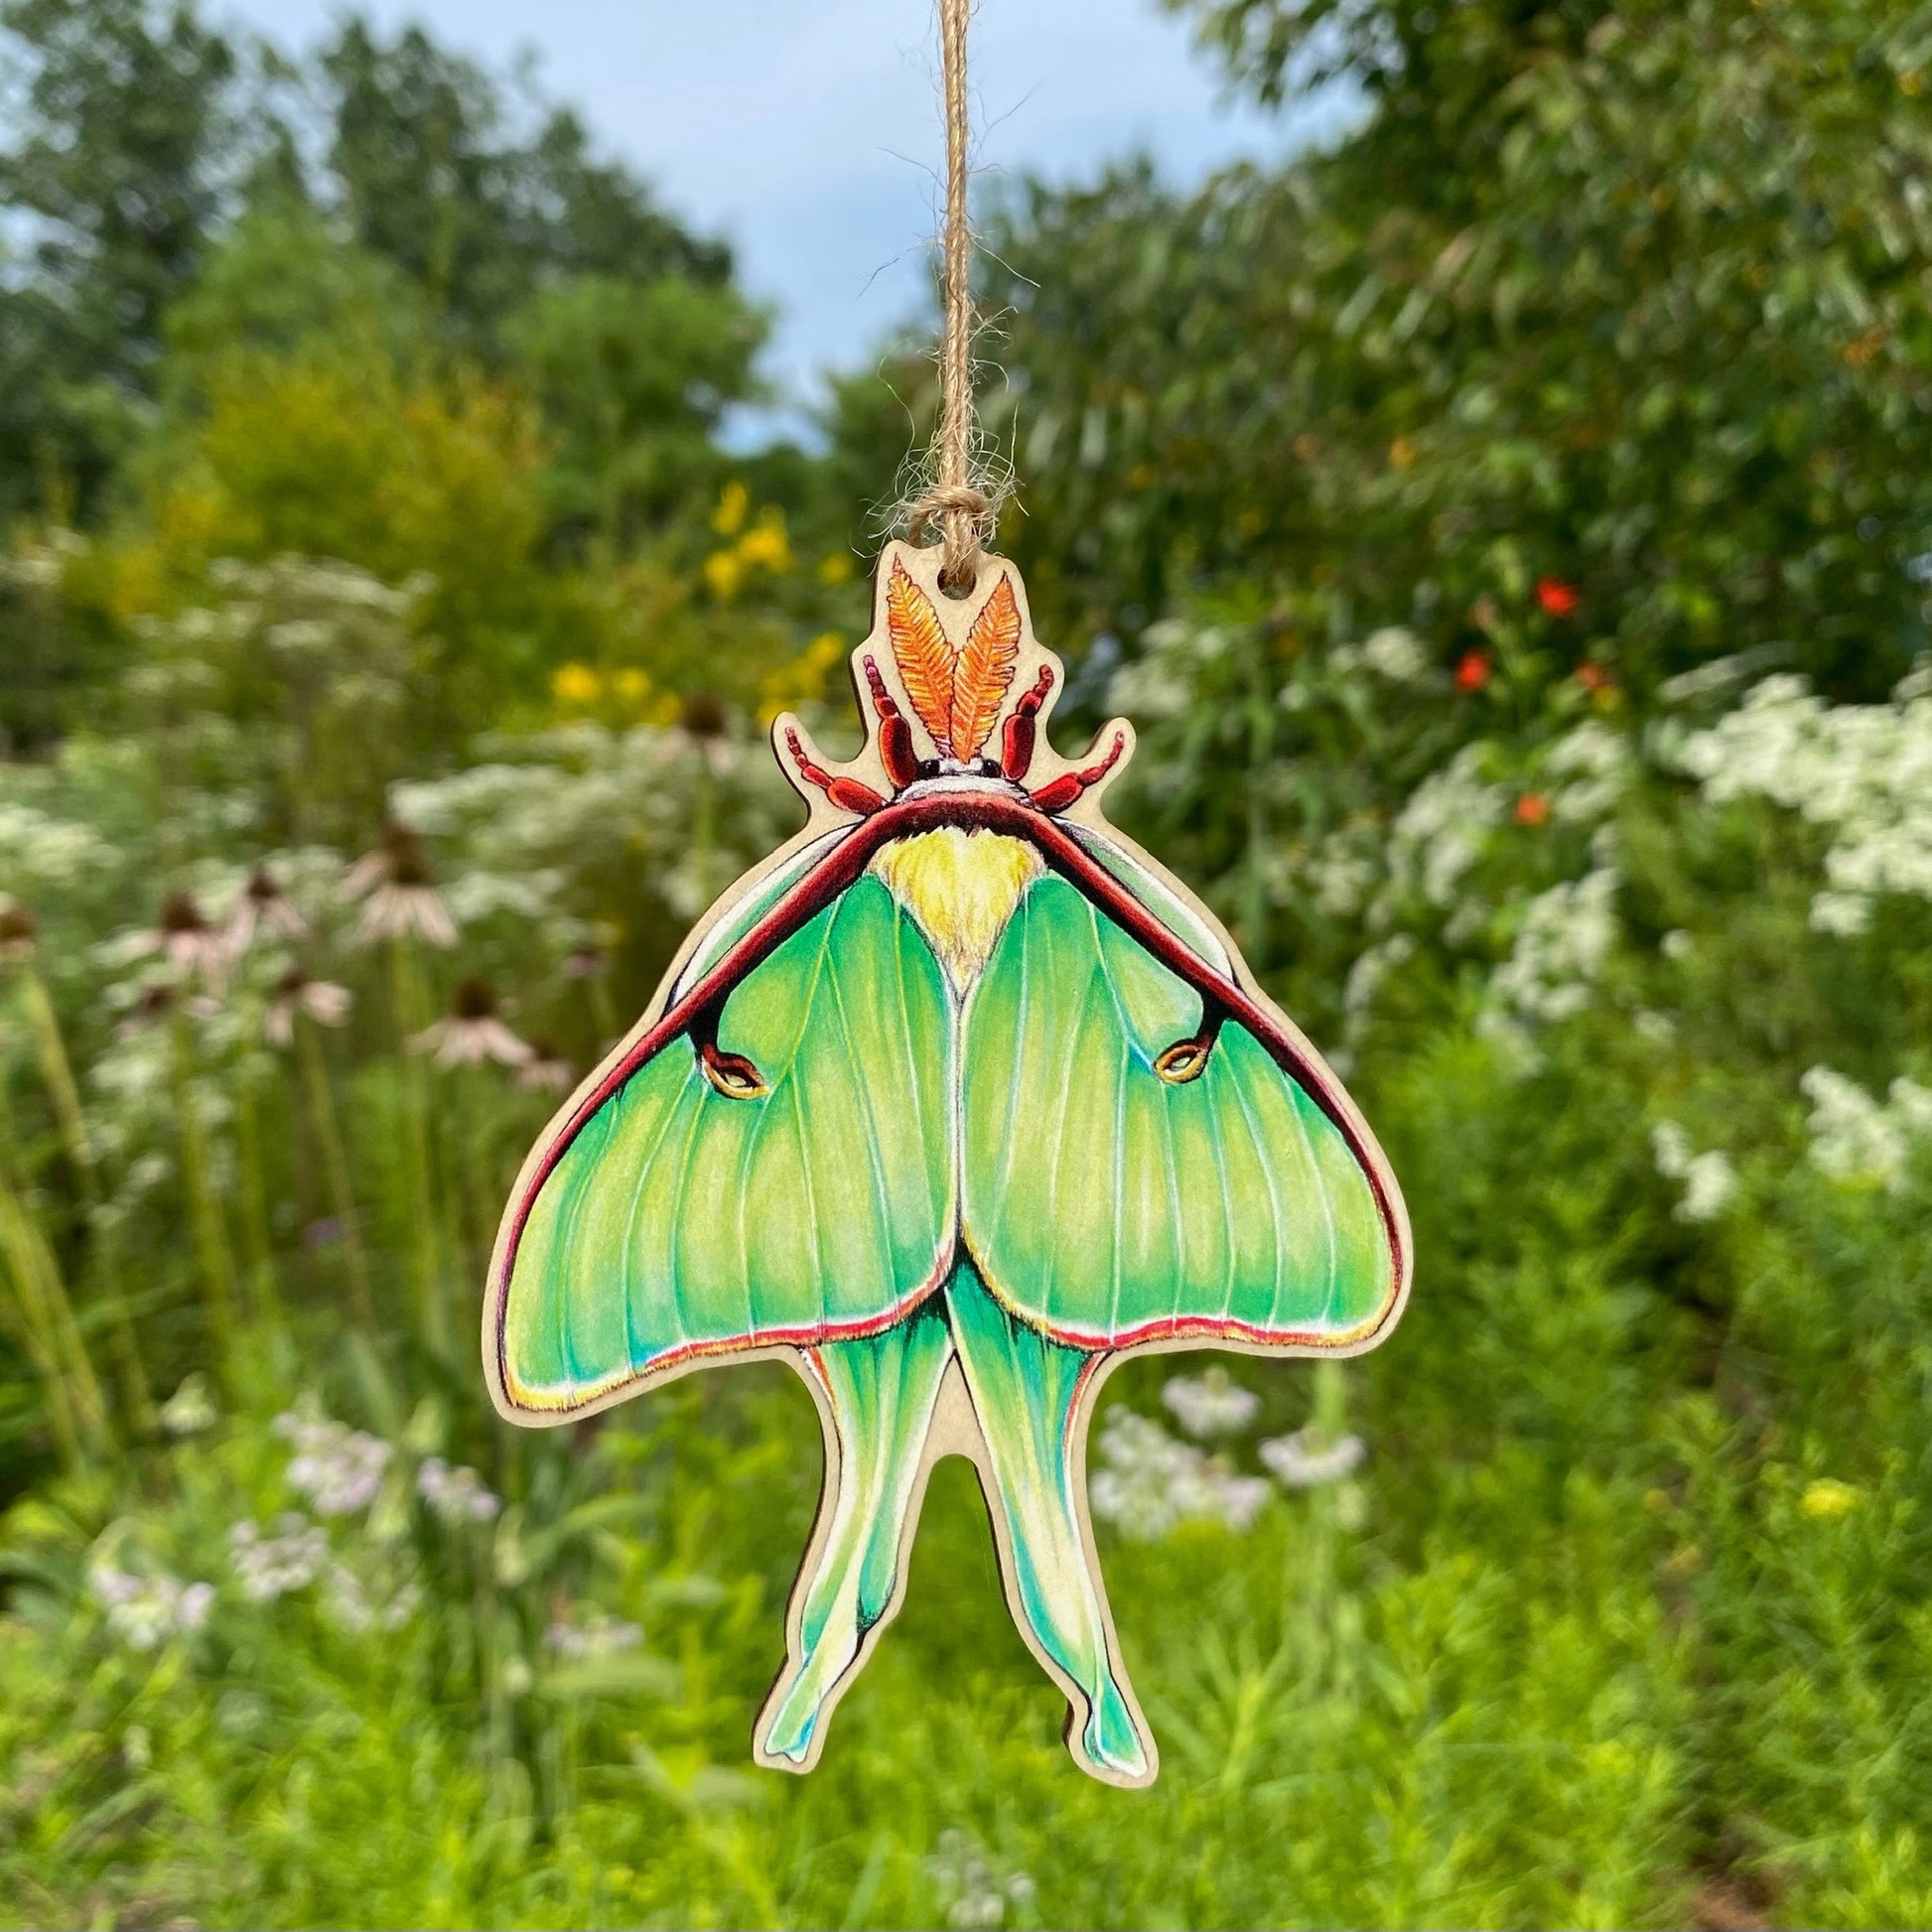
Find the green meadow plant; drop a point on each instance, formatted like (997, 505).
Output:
(1588, 1600)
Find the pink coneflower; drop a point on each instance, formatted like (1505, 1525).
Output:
(471, 1033)
(262, 905)
(401, 896)
(156, 1004)
(186, 940)
(326, 1002)
(20, 934)
(706, 724)
(546, 1070)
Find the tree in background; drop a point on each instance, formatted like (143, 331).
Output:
(372, 306)
(1626, 300)
(124, 151)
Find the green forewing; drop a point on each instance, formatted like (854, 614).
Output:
(1107, 1204)
(681, 1219)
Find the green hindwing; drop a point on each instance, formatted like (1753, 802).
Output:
(1111, 1205)
(682, 1222)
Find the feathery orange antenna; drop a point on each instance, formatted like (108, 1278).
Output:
(985, 670)
(926, 659)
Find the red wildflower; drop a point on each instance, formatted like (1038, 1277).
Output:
(1593, 678)
(1557, 598)
(1473, 671)
(1532, 809)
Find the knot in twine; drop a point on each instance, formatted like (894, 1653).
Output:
(968, 520)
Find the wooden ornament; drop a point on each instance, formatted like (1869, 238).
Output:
(953, 1103)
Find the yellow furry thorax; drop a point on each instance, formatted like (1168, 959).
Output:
(961, 887)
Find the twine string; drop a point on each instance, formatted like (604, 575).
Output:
(962, 510)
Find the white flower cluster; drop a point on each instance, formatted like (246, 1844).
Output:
(1857, 1138)
(1342, 878)
(975, 1894)
(1709, 1179)
(1210, 1405)
(1371, 967)
(44, 852)
(1159, 683)
(293, 1552)
(1592, 764)
(1396, 654)
(1149, 1482)
(145, 1610)
(1862, 773)
(457, 1495)
(521, 825)
(191, 1409)
(1308, 1458)
(598, 1635)
(1560, 947)
(347, 1602)
(337, 1467)
(1441, 831)
(270, 1566)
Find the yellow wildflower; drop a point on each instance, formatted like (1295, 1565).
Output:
(729, 517)
(1828, 1498)
(765, 546)
(576, 684)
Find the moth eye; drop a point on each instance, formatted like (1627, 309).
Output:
(731, 1075)
(1185, 1061)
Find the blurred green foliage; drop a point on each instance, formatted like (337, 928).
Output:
(1507, 528)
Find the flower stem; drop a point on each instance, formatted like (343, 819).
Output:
(429, 1301)
(334, 1162)
(216, 1257)
(76, 1409)
(57, 1073)
(263, 1299)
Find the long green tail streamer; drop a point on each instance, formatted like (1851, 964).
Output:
(1023, 1389)
(881, 1392)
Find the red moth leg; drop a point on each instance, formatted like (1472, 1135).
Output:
(848, 794)
(1023, 727)
(1061, 792)
(894, 733)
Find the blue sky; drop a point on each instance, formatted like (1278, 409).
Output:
(809, 134)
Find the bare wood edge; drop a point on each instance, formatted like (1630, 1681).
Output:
(954, 1429)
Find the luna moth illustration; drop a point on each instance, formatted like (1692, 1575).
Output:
(954, 1102)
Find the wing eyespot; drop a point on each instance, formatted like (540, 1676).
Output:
(1185, 1061)
(731, 1075)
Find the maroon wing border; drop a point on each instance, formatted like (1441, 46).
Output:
(842, 867)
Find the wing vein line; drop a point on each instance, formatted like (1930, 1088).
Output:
(1274, 1200)
(1170, 1099)
(1227, 1197)
(882, 1207)
(677, 1195)
(1120, 1125)
(799, 1114)
(1054, 1229)
(1321, 1194)
(633, 1285)
(1018, 1045)
(912, 1057)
